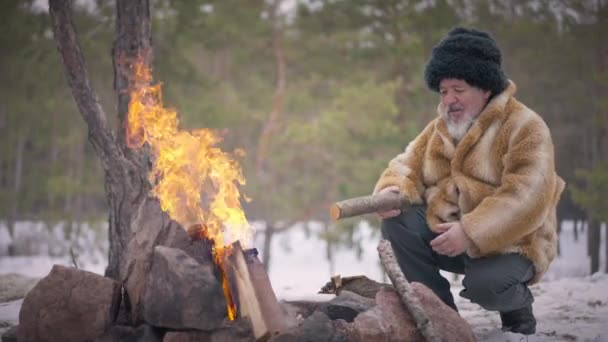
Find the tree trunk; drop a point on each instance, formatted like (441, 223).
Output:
(17, 176)
(594, 244)
(576, 229)
(136, 222)
(559, 232)
(268, 235)
(272, 125)
(605, 247)
(329, 249)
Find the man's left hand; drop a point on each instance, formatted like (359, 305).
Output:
(453, 241)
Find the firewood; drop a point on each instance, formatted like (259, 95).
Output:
(368, 204)
(253, 294)
(360, 285)
(407, 294)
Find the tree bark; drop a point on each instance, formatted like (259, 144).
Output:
(408, 296)
(268, 235)
(593, 237)
(368, 204)
(17, 176)
(136, 221)
(605, 247)
(272, 124)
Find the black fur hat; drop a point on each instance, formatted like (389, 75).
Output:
(470, 55)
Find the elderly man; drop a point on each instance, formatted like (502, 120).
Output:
(481, 178)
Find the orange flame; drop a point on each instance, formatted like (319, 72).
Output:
(195, 181)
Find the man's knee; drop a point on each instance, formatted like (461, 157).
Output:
(483, 290)
(497, 284)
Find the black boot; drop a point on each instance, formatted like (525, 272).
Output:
(519, 321)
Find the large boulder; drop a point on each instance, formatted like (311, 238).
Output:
(390, 321)
(181, 293)
(122, 333)
(447, 322)
(316, 327)
(69, 305)
(231, 331)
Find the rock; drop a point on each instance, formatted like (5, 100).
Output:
(10, 335)
(200, 250)
(15, 286)
(317, 327)
(390, 321)
(450, 325)
(182, 294)
(142, 333)
(297, 311)
(347, 305)
(69, 305)
(149, 227)
(235, 331)
(387, 321)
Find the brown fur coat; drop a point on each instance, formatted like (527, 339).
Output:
(499, 180)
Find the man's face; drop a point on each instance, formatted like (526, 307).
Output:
(462, 103)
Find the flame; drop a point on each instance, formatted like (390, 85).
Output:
(195, 181)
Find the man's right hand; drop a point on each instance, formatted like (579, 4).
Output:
(393, 212)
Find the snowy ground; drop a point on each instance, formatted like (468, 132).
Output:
(569, 306)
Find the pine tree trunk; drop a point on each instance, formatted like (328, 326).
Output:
(16, 191)
(605, 247)
(594, 244)
(268, 235)
(559, 232)
(136, 222)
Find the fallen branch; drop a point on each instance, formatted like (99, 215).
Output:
(407, 294)
(368, 204)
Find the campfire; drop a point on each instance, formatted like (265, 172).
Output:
(195, 181)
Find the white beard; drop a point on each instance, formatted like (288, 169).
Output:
(457, 129)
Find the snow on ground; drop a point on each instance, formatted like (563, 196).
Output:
(569, 306)
(568, 309)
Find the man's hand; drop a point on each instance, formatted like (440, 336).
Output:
(393, 212)
(453, 241)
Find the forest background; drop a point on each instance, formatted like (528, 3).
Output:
(319, 94)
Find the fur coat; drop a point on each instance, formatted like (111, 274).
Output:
(499, 180)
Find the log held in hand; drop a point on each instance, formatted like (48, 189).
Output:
(368, 204)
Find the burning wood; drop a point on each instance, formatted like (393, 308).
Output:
(253, 293)
(247, 288)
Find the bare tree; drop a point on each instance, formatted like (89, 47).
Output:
(136, 222)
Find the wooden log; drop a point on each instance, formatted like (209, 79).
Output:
(359, 284)
(407, 294)
(368, 204)
(253, 294)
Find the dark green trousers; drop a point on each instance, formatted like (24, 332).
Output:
(497, 282)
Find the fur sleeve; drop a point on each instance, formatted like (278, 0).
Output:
(405, 170)
(526, 194)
